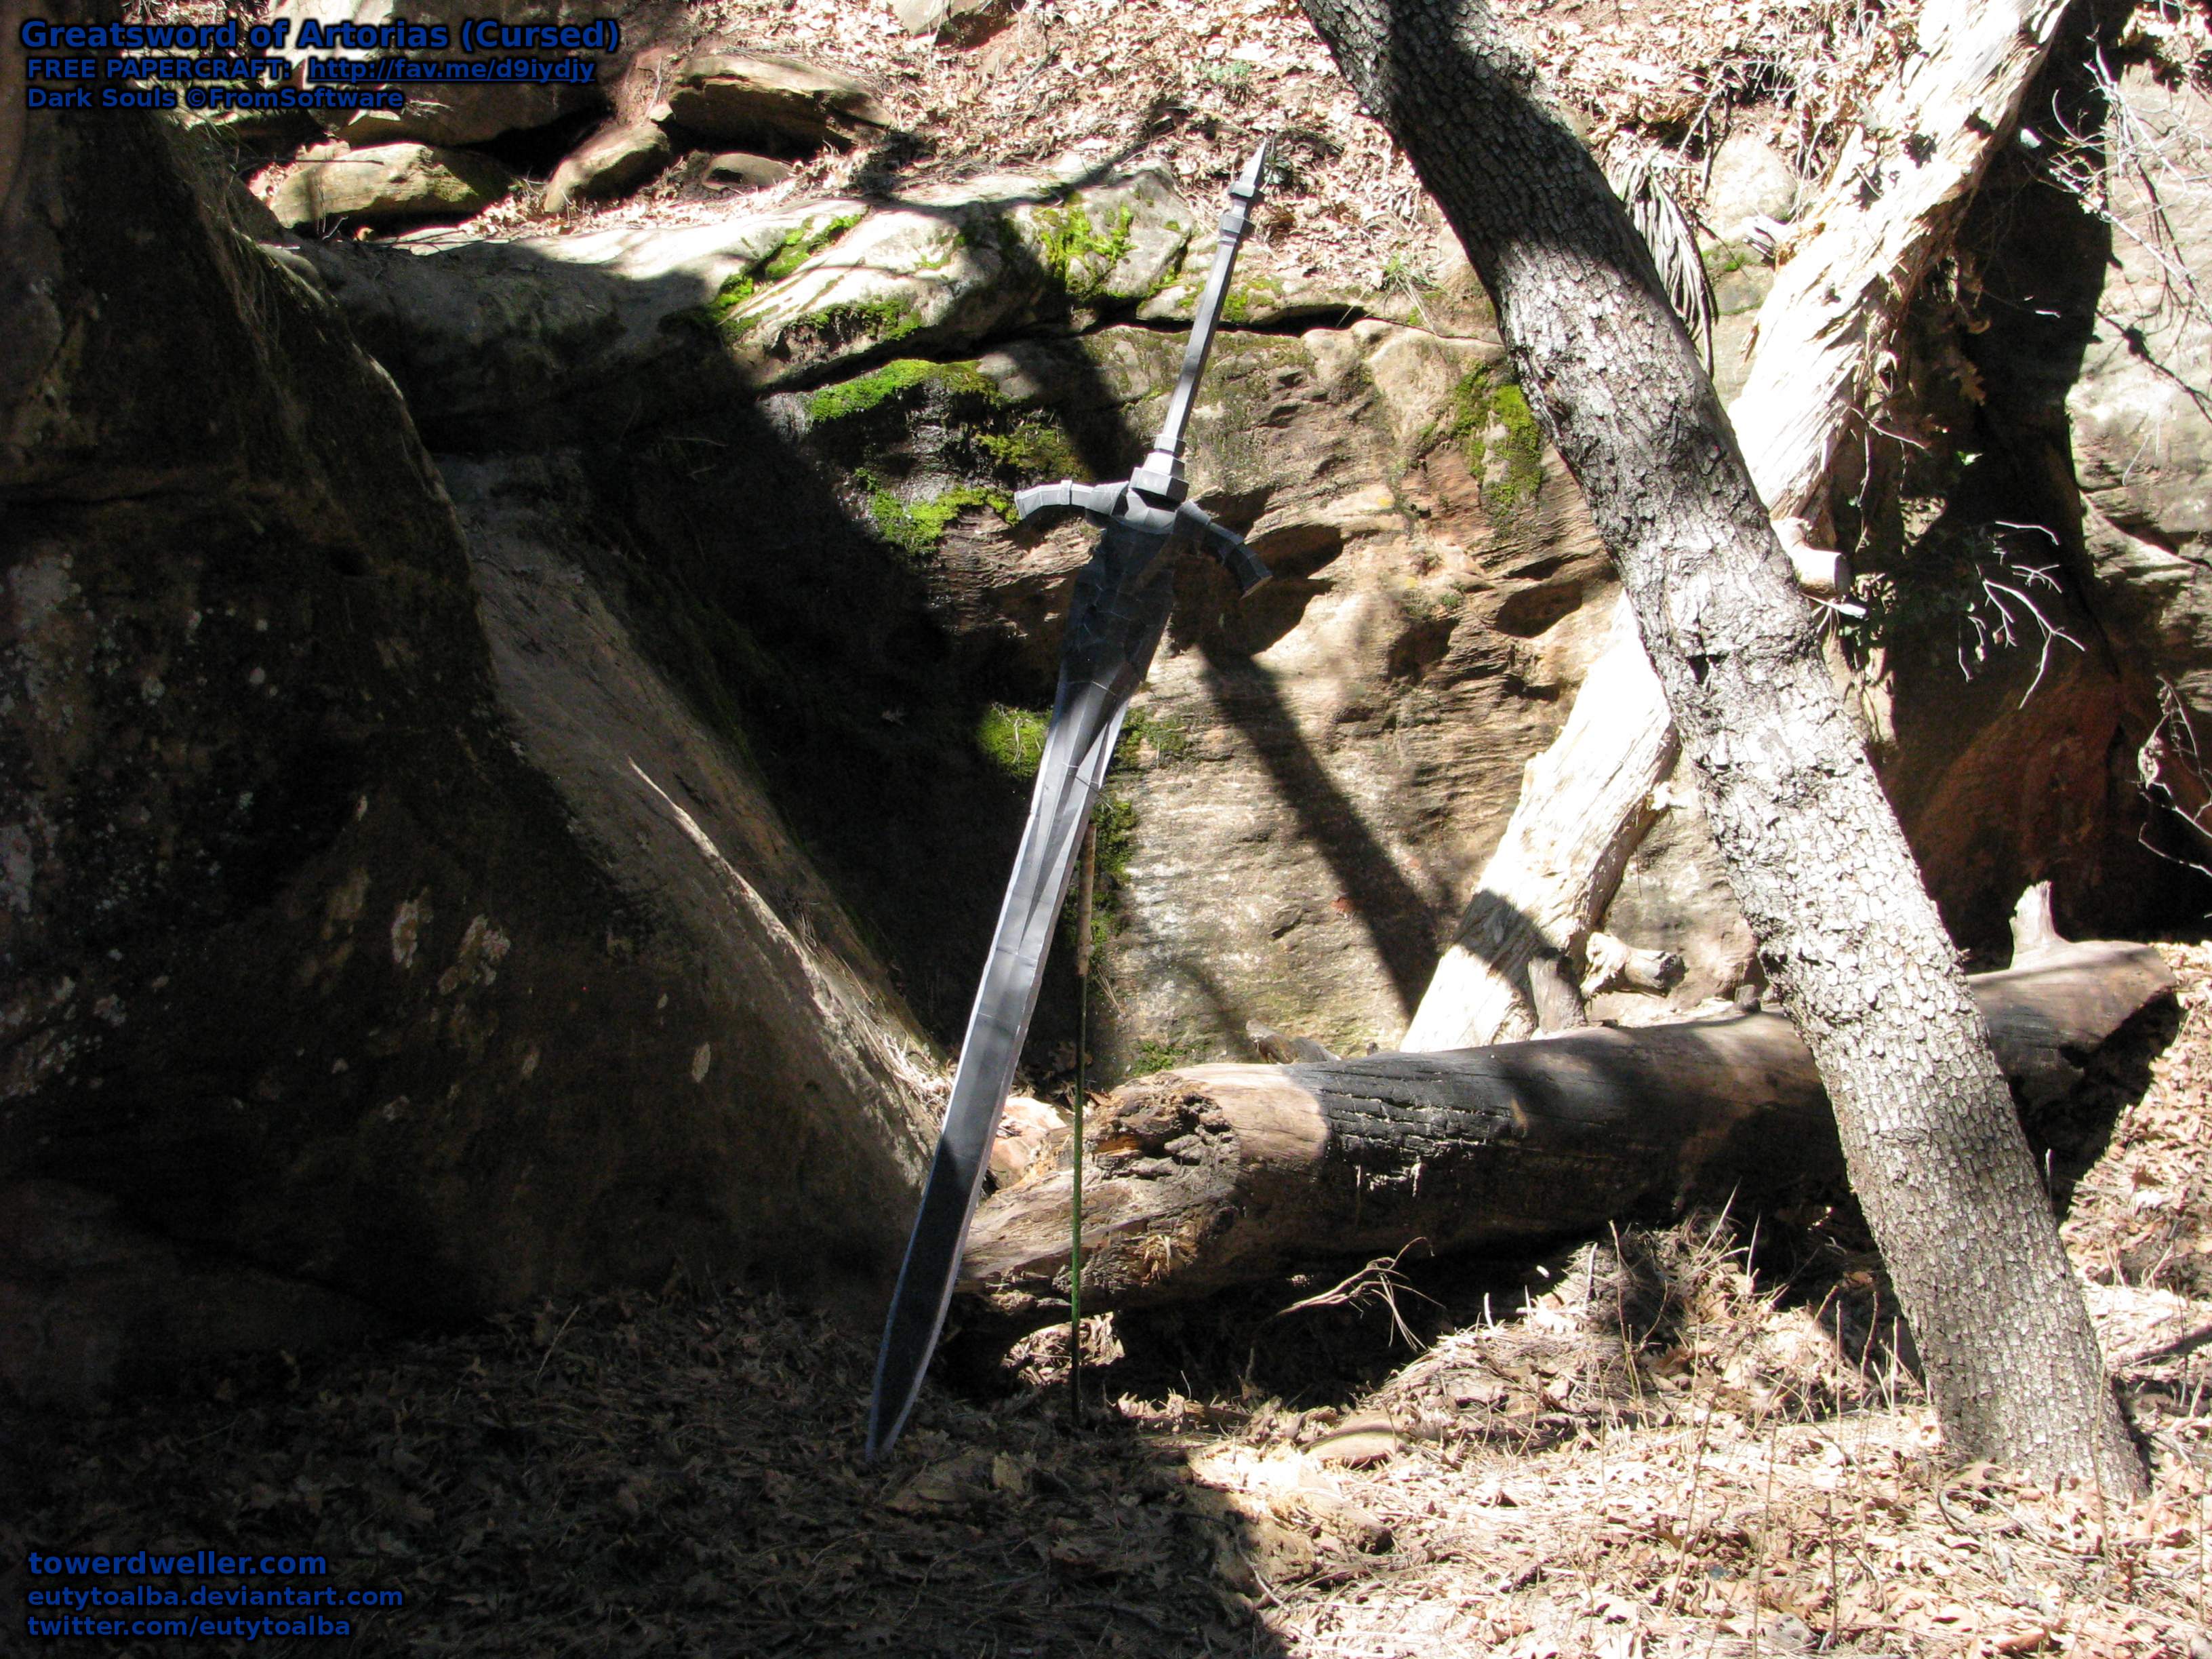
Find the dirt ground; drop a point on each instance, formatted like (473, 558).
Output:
(1705, 1441)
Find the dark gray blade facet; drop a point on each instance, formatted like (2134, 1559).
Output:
(1120, 607)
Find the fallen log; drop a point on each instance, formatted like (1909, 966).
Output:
(1221, 1175)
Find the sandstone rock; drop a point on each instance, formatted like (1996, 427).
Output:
(1031, 1134)
(728, 95)
(736, 170)
(531, 330)
(371, 922)
(391, 184)
(1749, 179)
(1742, 278)
(954, 23)
(1316, 772)
(2142, 429)
(612, 162)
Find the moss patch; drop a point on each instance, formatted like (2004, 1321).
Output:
(1012, 739)
(799, 244)
(1168, 1055)
(802, 243)
(734, 292)
(880, 321)
(916, 527)
(1247, 300)
(1034, 448)
(1076, 255)
(1499, 437)
(856, 397)
(1166, 736)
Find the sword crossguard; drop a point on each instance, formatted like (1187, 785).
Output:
(1124, 504)
(1227, 548)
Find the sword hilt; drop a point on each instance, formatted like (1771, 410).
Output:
(1227, 548)
(1096, 501)
(1162, 474)
(1124, 504)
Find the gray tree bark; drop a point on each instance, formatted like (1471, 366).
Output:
(1820, 865)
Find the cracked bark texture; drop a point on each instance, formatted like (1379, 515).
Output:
(1222, 1174)
(1847, 932)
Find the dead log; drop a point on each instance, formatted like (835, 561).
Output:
(1221, 1174)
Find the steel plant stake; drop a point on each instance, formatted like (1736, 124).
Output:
(1120, 609)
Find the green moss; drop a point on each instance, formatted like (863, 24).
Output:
(1489, 408)
(916, 527)
(1034, 448)
(1170, 1055)
(1012, 739)
(1723, 258)
(1247, 300)
(1167, 737)
(856, 397)
(802, 242)
(1077, 256)
(799, 244)
(734, 292)
(879, 320)
(1519, 474)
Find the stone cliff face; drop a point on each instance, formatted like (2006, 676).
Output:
(350, 936)
(815, 421)
(501, 734)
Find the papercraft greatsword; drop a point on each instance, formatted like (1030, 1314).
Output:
(1120, 608)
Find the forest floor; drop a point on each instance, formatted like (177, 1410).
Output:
(1191, 85)
(1697, 1441)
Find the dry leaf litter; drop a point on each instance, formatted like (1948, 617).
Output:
(1700, 1441)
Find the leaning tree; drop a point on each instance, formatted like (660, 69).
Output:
(1820, 865)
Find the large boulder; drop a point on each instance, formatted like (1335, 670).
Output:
(2141, 419)
(524, 341)
(613, 162)
(727, 95)
(954, 23)
(379, 917)
(1313, 776)
(389, 184)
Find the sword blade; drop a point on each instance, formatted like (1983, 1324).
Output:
(1113, 630)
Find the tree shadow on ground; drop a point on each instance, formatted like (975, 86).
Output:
(677, 1474)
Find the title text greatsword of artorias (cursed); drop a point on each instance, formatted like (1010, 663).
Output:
(1120, 608)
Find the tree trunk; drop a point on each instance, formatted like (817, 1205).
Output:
(1819, 863)
(1823, 337)
(1907, 173)
(1221, 1174)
